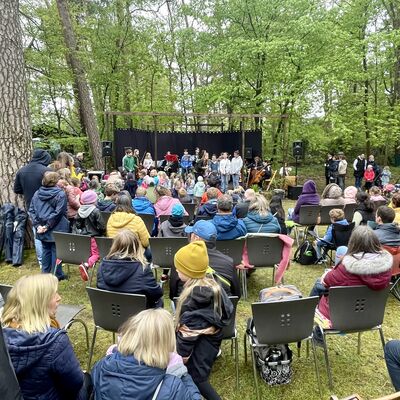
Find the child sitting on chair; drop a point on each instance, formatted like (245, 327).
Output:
(337, 217)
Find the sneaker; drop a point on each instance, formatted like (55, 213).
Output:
(322, 261)
(219, 353)
(83, 271)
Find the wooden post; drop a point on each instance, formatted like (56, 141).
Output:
(107, 125)
(155, 141)
(243, 137)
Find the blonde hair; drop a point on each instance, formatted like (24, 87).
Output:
(149, 336)
(260, 205)
(27, 304)
(50, 178)
(336, 214)
(126, 244)
(65, 174)
(207, 281)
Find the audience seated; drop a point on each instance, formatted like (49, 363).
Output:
(395, 204)
(364, 264)
(144, 362)
(278, 212)
(222, 267)
(174, 225)
(227, 225)
(332, 196)
(108, 204)
(41, 352)
(349, 195)
(309, 196)
(131, 184)
(165, 201)
(124, 217)
(203, 309)
(210, 207)
(242, 208)
(375, 194)
(259, 219)
(141, 204)
(124, 270)
(183, 196)
(364, 211)
(386, 230)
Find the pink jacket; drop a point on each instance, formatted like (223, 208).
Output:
(72, 200)
(164, 205)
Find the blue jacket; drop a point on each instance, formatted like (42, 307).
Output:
(118, 377)
(45, 364)
(228, 227)
(255, 223)
(128, 276)
(328, 235)
(209, 208)
(142, 205)
(49, 207)
(106, 205)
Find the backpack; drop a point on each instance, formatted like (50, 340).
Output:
(305, 254)
(274, 362)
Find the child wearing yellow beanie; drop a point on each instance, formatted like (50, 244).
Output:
(203, 309)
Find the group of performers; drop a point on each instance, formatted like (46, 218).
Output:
(223, 166)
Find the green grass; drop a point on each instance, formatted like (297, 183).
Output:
(365, 374)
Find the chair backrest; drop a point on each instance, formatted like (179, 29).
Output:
(232, 248)
(264, 250)
(355, 308)
(163, 250)
(205, 217)
(190, 207)
(104, 245)
(229, 331)
(308, 215)
(105, 215)
(111, 309)
(379, 203)
(4, 290)
(349, 211)
(165, 217)
(284, 321)
(324, 213)
(341, 234)
(71, 248)
(148, 220)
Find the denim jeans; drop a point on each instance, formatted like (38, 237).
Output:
(318, 289)
(341, 181)
(358, 182)
(235, 180)
(49, 259)
(38, 247)
(392, 357)
(224, 183)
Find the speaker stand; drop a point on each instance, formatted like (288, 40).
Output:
(295, 168)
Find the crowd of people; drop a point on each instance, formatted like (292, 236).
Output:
(176, 356)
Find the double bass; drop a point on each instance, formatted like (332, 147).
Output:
(257, 172)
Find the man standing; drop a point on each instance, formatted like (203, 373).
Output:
(359, 166)
(28, 180)
(236, 167)
(225, 170)
(342, 169)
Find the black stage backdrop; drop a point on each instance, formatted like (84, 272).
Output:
(176, 142)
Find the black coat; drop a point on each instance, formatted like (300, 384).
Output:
(242, 208)
(29, 178)
(221, 264)
(93, 225)
(129, 276)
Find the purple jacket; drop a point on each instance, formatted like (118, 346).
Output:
(308, 197)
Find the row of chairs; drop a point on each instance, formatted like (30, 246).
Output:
(353, 309)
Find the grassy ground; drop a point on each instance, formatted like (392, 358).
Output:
(365, 374)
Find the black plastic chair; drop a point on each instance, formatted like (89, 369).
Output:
(71, 248)
(203, 217)
(324, 213)
(111, 310)
(308, 216)
(163, 218)
(289, 321)
(379, 203)
(264, 251)
(104, 245)
(232, 248)
(148, 220)
(65, 315)
(105, 215)
(190, 207)
(354, 309)
(349, 211)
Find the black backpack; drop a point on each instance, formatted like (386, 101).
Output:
(305, 254)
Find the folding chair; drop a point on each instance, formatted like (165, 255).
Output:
(111, 310)
(308, 216)
(379, 203)
(163, 218)
(289, 321)
(324, 213)
(393, 396)
(66, 313)
(105, 215)
(148, 220)
(104, 246)
(354, 309)
(232, 248)
(349, 211)
(264, 251)
(71, 248)
(394, 287)
(190, 207)
(204, 217)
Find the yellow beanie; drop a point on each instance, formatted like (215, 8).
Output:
(192, 260)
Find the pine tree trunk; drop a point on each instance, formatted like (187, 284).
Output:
(82, 86)
(15, 129)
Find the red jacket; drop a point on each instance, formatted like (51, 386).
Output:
(369, 176)
(370, 269)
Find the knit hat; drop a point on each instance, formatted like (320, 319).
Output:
(192, 260)
(177, 210)
(200, 179)
(350, 192)
(88, 197)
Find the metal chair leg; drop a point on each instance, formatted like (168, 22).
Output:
(308, 348)
(92, 274)
(382, 337)
(237, 362)
(232, 347)
(328, 368)
(298, 349)
(92, 348)
(273, 275)
(245, 347)
(113, 337)
(84, 326)
(359, 343)
(255, 374)
(316, 366)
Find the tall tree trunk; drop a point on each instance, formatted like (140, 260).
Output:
(15, 129)
(85, 101)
